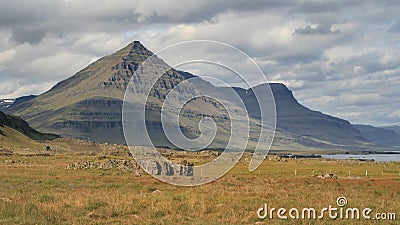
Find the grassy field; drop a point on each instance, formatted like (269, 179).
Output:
(40, 190)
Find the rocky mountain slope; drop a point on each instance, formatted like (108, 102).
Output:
(88, 105)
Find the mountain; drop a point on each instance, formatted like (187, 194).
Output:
(22, 127)
(395, 128)
(310, 127)
(23, 99)
(5, 103)
(88, 105)
(380, 135)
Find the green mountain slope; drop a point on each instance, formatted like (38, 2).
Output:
(16, 134)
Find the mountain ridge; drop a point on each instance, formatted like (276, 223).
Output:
(88, 105)
(386, 136)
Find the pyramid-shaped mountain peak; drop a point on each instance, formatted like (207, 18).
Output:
(138, 47)
(133, 51)
(130, 58)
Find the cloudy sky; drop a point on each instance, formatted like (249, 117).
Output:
(338, 57)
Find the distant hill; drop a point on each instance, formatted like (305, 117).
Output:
(387, 136)
(5, 103)
(395, 128)
(88, 105)
(23, 99)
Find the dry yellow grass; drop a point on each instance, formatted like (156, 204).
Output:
(39, 190)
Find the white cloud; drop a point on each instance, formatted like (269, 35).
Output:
(13, 88)
(6, 57)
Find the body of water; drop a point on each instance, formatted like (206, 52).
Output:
(376, 157)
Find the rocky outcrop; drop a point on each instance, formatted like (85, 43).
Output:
(153, 167)
(119, 164)
(186, 169)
